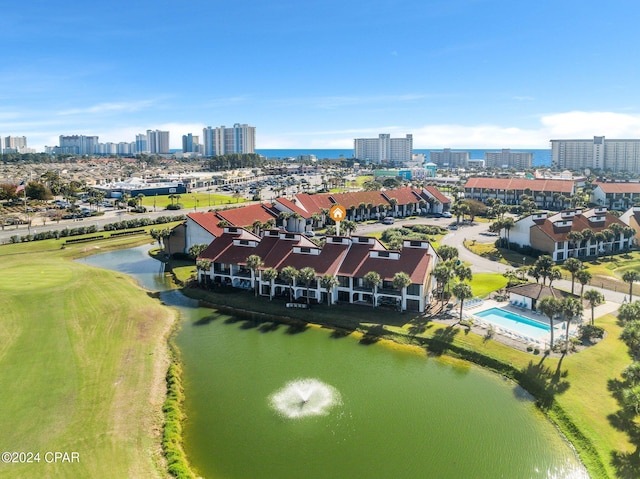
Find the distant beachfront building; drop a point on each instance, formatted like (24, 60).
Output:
(142, 145)
(450, 159)
(77, 145)
(190, 143)
(158, 142)
(506, 158)
(222, 140)
(15, 144)
(384, 149)
(596, 154)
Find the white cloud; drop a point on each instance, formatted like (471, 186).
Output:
(101, 108)
(583, 124)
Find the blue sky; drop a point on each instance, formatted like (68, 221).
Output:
(316, 74)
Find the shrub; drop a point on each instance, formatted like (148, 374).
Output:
(175, 206)
(588, 332)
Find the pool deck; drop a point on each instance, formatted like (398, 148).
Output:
(517, 339)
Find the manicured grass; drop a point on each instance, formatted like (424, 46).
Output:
(484, 284)
(189, 200)
(83, 355)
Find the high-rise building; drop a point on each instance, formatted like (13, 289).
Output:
(384, 149)
(190, 143)
(223, 140)
(78, 144)
(142, 145)
(596, 154)
(158, 142)
(14, 144)
(520, 160)
(450, 159)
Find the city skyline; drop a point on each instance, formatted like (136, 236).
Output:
(452, 73)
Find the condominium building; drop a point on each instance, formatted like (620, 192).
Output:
(506, 158)
(384, 149)
(14, 144)
(190, 143)
(142, 145)
(241, 138)
(158, 142)
(78, 144)
(596, 154)
(450, 159)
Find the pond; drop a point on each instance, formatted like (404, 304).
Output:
(277, 401)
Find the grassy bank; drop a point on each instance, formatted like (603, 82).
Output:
(571, 390)
(83, 358)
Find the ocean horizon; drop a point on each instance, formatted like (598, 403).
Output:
(541, 157)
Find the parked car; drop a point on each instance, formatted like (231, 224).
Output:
(388, 220)
(446, 214)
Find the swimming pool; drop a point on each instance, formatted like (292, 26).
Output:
(515, 322)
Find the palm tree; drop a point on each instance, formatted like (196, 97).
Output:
(448, 252)
(573, 265)
(307, 275)
(203, 265)
(196, 250)
(348, 227)
(583, 276)
(269, 275)
(631, 277)
(543, 266)
(401, 281)
(554, 275)
(371, 280)
(595, 298)
(462, 272)
(571, 309)
(165, 234)
(462, 291)
(550, 307)
(443, 272)
(328, 282)
(254, 263)
(576, 238)
(289, 274)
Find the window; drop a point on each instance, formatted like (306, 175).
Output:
(343, 281)
(413, 289)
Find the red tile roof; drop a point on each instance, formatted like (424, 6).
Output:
(334, 258)
(245, 216)
(542, 185)
(209, 221)
(435, 192)
(619, 188)
(297, 207)
(578, 223)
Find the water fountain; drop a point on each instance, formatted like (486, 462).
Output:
(304, 398)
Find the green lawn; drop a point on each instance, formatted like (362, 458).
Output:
(83, 355)
(484, 284)
(189, 200)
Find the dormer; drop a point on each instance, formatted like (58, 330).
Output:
(285, 235)
(245, 242)
(337, 240)
(271, 233)
(306, 250)
(600, 210)
(597, 219)
(363, 240)
(420, 244)
(539, 216)
(567, 214)
(232, 230)
(563, 223)
(384, 254)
